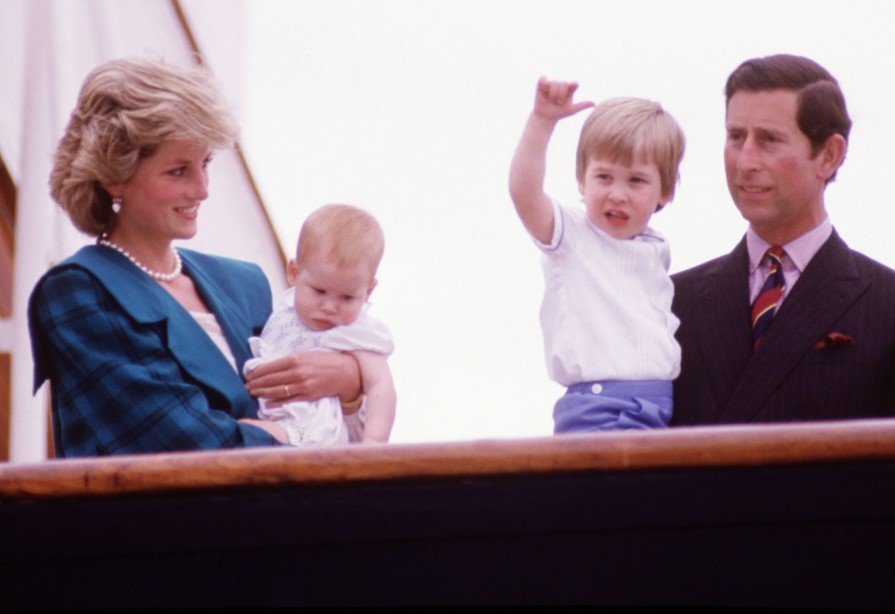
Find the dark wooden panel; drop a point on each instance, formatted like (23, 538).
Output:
(796, 535)
(792, 516)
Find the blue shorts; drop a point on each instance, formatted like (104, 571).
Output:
(613, 405)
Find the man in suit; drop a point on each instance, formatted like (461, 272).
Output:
(813, 336)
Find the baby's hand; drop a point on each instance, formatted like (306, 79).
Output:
(370, 441)
(553, 99)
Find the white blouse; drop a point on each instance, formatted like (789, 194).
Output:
(210, 325)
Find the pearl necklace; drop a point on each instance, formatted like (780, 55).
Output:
(174, 274)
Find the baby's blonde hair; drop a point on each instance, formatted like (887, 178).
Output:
(125, 110)
(343, 234)
(624, 130)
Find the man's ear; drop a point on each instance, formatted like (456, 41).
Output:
(292, 272)
(831, 155)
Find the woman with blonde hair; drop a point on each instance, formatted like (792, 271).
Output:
(142, 342)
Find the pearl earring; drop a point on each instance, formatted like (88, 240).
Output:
(116, 204)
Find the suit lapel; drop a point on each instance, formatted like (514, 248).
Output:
(147, 302)
(826, 289)
(236, 327)
(723, 322)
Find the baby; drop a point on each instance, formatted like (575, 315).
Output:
(606, 314)
(332, 276)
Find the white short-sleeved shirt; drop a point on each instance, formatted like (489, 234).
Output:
(606, 313)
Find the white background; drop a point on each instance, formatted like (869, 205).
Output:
(412, 108)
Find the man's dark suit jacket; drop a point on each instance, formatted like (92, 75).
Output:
(829, 354)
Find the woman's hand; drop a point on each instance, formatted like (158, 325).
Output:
(307, 376)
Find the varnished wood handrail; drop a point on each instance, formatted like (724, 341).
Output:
(864, 440)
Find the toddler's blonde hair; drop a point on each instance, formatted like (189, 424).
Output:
(624, 130)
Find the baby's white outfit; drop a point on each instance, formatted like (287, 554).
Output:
(320, 422)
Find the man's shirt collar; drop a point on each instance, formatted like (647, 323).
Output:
(799, 252)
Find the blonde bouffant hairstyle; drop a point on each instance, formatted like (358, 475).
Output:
(125, 110)
(343, 234)
(625, 130)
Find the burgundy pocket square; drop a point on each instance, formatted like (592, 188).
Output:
(834, 340)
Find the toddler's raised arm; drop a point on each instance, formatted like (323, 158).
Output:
(553, 101)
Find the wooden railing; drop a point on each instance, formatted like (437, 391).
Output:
(707, 447)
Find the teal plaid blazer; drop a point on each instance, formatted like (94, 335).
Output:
(132, 371)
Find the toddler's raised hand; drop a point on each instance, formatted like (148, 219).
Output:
(554, 99)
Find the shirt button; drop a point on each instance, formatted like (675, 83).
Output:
(596, 388)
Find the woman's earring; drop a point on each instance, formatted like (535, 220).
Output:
(116, 204)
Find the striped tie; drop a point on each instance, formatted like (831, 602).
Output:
(766, 304)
